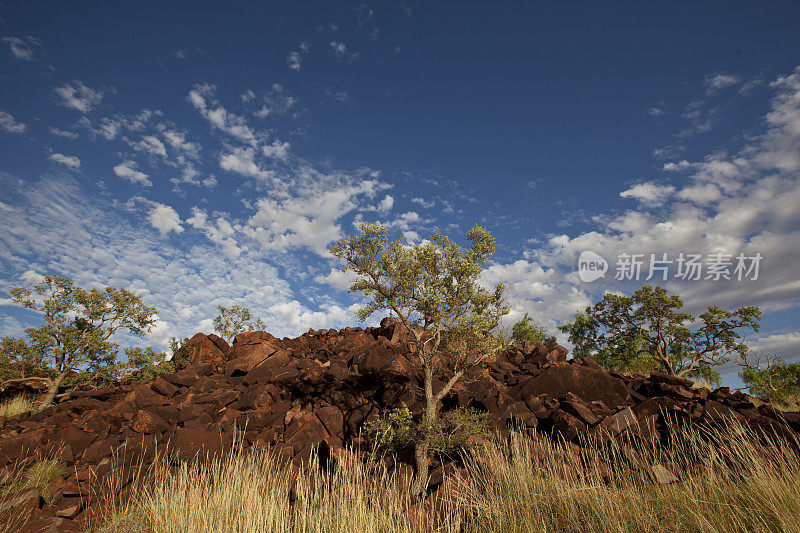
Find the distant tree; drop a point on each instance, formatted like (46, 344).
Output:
(647, 331)
(528, 330)
(771, 378)
(234, 320)
(75, 334)
(433, 289)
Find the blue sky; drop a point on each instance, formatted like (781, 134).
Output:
(206, 155)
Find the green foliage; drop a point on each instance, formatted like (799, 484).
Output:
(179, 349)
(394, 431)
(647, 331)
(234, 320)
(778, 382)
(74, 337)
(433, 285)
(148, 363)
(434, 289)
(527, 330)
(455, 430)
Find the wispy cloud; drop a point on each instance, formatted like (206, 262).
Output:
(10, 124)
(67, 160)
(22, 48)
(78, 96)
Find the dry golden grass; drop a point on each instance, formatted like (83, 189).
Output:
(18, 405)
(726, 481)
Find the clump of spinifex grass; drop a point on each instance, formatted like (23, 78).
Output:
(18, 405)
(724, 480)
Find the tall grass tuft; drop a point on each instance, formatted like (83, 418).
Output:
(718, 480)
(18, 405)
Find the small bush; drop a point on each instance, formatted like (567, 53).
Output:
(394, 431)
(528, 330)
(456, 430)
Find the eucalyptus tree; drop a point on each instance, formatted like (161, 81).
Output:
(74, 336)
(433, 288)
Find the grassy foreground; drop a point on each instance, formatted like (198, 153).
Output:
(726, 481)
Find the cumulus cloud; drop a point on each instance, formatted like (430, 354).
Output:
(242, 161)
(67, 160)
(309, 220)
(78, 96)
(386, 204)
(648, 192)
(165, 219)
(127, 170)
(9, 124)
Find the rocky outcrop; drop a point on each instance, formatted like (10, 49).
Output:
(317, 390)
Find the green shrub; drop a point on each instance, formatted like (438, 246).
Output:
(779, 382)
(528, 330)
(455, 430)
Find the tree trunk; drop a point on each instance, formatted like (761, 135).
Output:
(420, 484)
(422, 447)
(52, 390)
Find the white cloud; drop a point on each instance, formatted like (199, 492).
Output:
(127, 170)
(165, 219)
(152, 145)
(386, 204)
(309, 220)
(784, 344)
(68, 160)
(293, 59)
(301, 318)
(60, 227)
(9, 124)
(720, 80)
(648, 192)
(680, 165)
(337, 279)
(423, 203)
(78, 96)
(221, 232)
(202, 98)
(276, 150)
(242, 161)
(177, 140)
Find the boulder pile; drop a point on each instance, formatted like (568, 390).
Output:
(317, 390)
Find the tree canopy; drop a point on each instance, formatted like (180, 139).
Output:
(649, 331)
(234, 320)
(78, 324)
